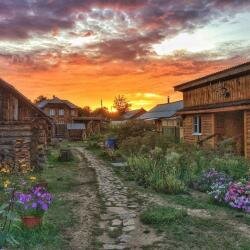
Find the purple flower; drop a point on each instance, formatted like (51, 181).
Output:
(36, 199)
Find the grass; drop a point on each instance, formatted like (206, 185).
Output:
(185, 232)
(162, 215)
(61, 178)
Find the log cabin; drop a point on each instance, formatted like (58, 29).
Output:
(165, 119)
(61, 111)
(24, 131)
(217, 107)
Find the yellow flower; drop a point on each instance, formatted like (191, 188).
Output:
(6, 183)
(32, 178)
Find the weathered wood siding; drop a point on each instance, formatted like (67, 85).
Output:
(230, 125)
(13, 108)
(207, 129)
(61, 119)
(24, 131)
(239, 89)
(247, 133)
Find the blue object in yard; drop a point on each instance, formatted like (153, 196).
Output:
(111, 143)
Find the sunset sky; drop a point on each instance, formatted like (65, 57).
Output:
(88, 50)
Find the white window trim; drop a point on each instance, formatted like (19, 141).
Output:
(52, 112)
(61, 112)
(198, 125)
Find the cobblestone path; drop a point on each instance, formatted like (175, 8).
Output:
(119, 224)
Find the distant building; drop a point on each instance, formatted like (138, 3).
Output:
(25, 130)
(127, 116)
(217, 107)
(165, 118)
(61, 111)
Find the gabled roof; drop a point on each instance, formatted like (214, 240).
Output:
(165, 110)
(11, 88)
(56, 100)
(133, 114)
(221, 75)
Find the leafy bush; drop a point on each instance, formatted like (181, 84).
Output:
(158, 171)
(162, 215)
(133, 128)
(143, 144)
(209, 178)
(235, 166)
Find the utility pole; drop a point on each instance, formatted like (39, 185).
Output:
(101, 103)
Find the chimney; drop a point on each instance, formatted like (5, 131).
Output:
(168, 99)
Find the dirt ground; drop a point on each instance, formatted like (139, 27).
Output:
(86, 207)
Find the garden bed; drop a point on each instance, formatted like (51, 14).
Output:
(61, 222)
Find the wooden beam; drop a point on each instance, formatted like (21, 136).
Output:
(245, 133)
(215, 110)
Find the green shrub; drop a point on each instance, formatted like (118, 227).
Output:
(133, 128)
(162, 215)
(158, 171)
(235, 166)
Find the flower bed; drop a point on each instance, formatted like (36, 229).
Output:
(223, 189)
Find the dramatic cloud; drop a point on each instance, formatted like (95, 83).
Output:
(84, 49)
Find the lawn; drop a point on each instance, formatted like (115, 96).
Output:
(61, 178)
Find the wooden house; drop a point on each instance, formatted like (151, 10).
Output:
(91, 125)
(217, 107)
(61, 111)
(128, 116)
(165, 119)
(24, 130)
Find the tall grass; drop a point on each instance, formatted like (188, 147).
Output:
(174, 169)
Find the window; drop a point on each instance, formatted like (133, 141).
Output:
(197, 125)
(73, 112)
(52, 112)
(61, 112)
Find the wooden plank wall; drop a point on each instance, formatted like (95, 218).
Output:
(7, 106)
(207, 121)
(239, 89)
(247, 133)
(230, 125)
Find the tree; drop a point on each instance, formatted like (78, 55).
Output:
(85, 111)
(121, 104)
(101, 112)
(40, 98)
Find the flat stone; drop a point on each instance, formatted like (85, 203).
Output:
(128, 228)
(112, 229)
(119, 164)
(114, 247)
(116, 222)
(117, 210)
(129, 222)
(124, 238)
(132, 206)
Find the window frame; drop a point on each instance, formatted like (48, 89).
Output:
(197, 125)
(52, 112)
(61, 112)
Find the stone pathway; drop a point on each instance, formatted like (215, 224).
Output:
(119, 224)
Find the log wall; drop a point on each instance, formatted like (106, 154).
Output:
(207, 129)
(15, 146)
(24, 131)
(238, 89)
(247, 133)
